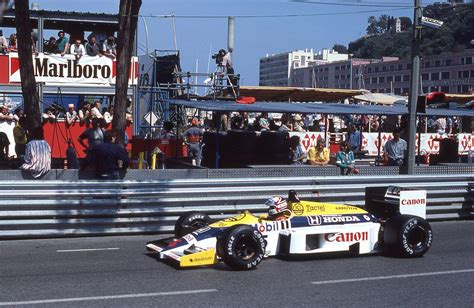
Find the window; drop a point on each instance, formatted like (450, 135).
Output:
(465, 88)
(406, 77)
(445, 75)
(389, 78)
(434, 76)
(337, 68)
(448, 62)
(326, 69)
(397, 91)
(472, 73)
(398, 78)
(459, 74)
(400, 67)
(425, 76)
(409, 66)
(392, 68)
(469, 60)
(425, 89)
(427, 64)
(445, 89)
(462, 62)
(337, 77)
(384, 68)
(437, 63)
(381, 79)
(388, 90)
(367, 80)
(406, 90)
(374, 80)
(369, 70)
(376, 69)
(348, 76)
(465, 74)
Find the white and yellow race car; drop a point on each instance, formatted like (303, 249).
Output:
(393, 222)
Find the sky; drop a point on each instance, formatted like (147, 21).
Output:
(317, 25)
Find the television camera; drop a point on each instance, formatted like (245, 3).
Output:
(219, 56)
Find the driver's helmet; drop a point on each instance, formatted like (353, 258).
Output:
(276, 205)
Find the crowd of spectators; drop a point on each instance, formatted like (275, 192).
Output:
(64, 45)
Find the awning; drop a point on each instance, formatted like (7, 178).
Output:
(310, 108)
(285, 94)
(381, 98)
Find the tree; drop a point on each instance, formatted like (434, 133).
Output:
(28, 82)
(128, 17)
(339, 48)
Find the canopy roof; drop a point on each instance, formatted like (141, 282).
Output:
(381, 98)
(283, 94)
(330, 108)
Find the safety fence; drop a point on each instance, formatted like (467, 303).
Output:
(47, 209)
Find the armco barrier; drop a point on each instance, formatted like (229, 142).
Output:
(52, 208)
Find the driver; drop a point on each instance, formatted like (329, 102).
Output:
(277, 208)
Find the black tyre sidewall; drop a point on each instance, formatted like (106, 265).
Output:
(226, 246)
(184, 224)
(398, 231)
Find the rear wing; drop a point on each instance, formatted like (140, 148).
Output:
(389, 201)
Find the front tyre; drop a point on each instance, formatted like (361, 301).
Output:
(407, 236)
(241, 247)
(189, 222)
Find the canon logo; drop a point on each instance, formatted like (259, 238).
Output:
(413, 201)
(73, 69)
(347, 237)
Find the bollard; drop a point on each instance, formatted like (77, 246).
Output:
(153, 161)
(140, 160)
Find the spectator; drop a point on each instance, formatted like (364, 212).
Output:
(240, 121)
(394, 150)
(37, 155)
(318, 155)
(48, 115)
(52, 46)
(440, 125)
(63, 43)
(95, 111)
(297, 154)
(92, 48)
(345, 160)
(109, 48)
(85, 113)
(298, 123)
(12, 43)
(109, 115)
(77, 49)
(193, 136)
(5, 114)
(108, 158)
(71, 115)
(285, 123)
(18, 114)
(3, 44)
(4, 145)
(20, 136)
(353, 138)
(263, 122)
(166, 133)
(94, 135)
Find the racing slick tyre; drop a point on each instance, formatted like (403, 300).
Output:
(407, 236)
(241, 247)
(190, 222)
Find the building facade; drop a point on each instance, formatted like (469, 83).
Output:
(276, 70)
(450, 73)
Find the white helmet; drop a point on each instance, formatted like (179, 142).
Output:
(276, 205)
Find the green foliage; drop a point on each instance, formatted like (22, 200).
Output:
(382, 40)
(339, 48)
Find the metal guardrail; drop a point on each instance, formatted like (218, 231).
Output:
(30, 209)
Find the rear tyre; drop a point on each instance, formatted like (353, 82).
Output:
(407, 236)
(190, 222)
(241, 247)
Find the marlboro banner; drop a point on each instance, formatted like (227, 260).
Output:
(66, 69)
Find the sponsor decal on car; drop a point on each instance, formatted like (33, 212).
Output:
(339, 219)
(189, 238)
(315, 208)
(298, 209)
(346, 236)
(419, 201)
(270, 226)
(314, 220)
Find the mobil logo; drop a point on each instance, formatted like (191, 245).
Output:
(346, 236)
(270, 226)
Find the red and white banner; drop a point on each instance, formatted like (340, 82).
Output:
(308, 139)
(66, 69)
(428, 142)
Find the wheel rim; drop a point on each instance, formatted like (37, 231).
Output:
(244, 248)
(417, 237)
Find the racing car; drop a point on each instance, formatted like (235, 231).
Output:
(392, 222)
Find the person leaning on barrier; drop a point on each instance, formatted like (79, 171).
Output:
(395, 149)
(319, 154)
(107, 158)
(345, 160)
(37, 155)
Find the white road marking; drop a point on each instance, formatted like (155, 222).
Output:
(87, 249)
(96, 298)
(470, 270)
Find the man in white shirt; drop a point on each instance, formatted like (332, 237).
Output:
(95, 111)
(78, 49)
(3, 43)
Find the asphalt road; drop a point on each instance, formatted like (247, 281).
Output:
(118, 272)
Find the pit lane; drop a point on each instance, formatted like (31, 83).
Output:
(117, 271)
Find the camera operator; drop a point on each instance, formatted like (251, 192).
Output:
(229, 69)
